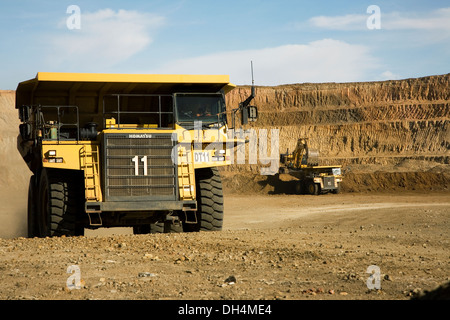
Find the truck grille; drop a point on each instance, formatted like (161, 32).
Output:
(328, 182)
(139, 167)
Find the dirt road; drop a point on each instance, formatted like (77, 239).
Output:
(272, 247)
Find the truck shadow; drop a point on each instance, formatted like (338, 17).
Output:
(277, 185)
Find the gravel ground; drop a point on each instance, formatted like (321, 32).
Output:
(272, 247)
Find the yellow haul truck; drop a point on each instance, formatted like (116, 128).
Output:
(313, 179)
(109, 150)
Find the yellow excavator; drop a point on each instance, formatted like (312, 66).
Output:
(313, 179)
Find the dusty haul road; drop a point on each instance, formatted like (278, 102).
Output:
(272, 247)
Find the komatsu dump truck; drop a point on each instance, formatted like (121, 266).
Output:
(303, 163)
(118, 150)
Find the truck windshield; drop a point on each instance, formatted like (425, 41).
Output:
(207, 108)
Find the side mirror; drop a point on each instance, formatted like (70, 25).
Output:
(249, 113)
(252, 113)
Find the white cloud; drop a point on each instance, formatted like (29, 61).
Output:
(434, 20)
(346, 22)
(106, 38)
(319, 61)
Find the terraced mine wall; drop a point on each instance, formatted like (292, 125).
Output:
(390, 128)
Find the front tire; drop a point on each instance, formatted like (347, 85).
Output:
(338, 189)
(209, 201)
(59, 203)
(313, 188)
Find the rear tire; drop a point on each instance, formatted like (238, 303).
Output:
(299, 187)
(166, 227)
(31, 209)
(141, 229)
(209, 201)
(158, 227)
(59, 203)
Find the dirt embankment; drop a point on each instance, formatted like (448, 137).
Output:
(13, 168)
(14, 173)
(247, 183)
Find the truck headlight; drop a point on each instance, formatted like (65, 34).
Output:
(336, 171)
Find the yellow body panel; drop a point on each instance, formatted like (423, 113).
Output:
(131, 78)
(76, 156)
(47, 86)
(70, 152)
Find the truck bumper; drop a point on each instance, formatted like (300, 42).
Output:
(112, 206)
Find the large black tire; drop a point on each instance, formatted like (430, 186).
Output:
(299, 187)
(59, 204)
(141, 229)
(338, 189)
(209, 201)
(158, 227)
(313, 188)
(31, 209)
(166, 227)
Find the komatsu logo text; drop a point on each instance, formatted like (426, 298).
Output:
(139, 136)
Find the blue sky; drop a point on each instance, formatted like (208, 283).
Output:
(288, 41)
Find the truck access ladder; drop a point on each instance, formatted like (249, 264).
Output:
(90, 166)
(186, 179)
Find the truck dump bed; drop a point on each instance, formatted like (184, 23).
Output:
(88, 91)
